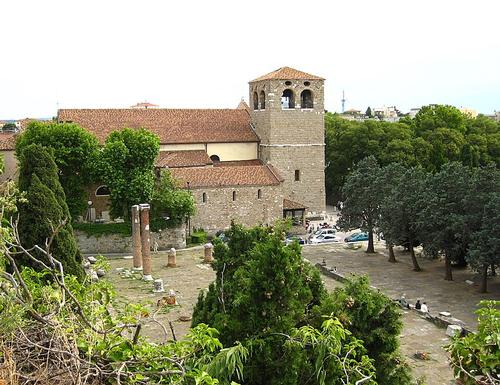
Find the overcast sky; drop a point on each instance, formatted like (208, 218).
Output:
(201, 54)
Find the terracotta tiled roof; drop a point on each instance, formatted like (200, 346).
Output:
(231, 163)
(8, 140)
(225, 176)
(285, 73)
(188, 158)
(243, 106)
(292, 205)
(171, 125)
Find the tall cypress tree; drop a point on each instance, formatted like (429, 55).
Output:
(45, 210)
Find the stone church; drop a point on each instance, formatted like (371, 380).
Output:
(254, 164)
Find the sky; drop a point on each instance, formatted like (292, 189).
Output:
(201, 54)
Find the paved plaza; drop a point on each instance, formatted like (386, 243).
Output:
(396, 279)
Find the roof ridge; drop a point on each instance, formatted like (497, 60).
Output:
(283, 73)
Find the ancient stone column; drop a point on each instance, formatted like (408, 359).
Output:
(172, 254)
(146, 243)
(209, 248)
(136, 238)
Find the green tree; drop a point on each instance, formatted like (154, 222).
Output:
(45, 210)
(435, 116)
(401, 205)
(443, 212)
(373, 318)
(74, 150)
(475, 358)
(369, 112)
(126, 166)
(484, 250)
(262, 297)
(169, 200)
(362, 197)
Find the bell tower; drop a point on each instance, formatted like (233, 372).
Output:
(287, 110)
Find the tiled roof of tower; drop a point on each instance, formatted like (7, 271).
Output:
(171, 125)
(8, 140)
(285, 73)
(226, 176)
(186, 158)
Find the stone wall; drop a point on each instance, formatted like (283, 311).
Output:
(116, 243)
(248, 209)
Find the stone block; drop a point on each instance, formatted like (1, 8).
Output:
(453, 330)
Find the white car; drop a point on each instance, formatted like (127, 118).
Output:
(324, 238)
(324, 232)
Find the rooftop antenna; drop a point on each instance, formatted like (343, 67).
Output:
(343, 101)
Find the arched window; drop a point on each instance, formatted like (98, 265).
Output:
(259, 194)
(287, 99)
(255, 101)
(306, 99)
(215, 158)
(102, 191)
(204, 197)
(262, 100)
(234, 196)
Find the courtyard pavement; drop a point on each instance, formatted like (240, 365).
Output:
(396, 279)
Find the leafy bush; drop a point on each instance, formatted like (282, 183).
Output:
(99, 339)
(372, 317)
(475, 358)
(100, 229)
(170, 201)
(198, 237)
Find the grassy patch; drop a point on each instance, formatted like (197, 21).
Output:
(197, 237)
(100, 229)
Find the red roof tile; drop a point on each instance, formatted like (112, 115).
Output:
(188, 158)
(285, 73)
(225, 176)
(292, 205)
(171, 125)
(8, 140)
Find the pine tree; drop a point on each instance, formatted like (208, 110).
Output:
(45, 210)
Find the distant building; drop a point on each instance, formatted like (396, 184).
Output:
(388, 114)
(144, 105)
(413, 112)
(469, 112)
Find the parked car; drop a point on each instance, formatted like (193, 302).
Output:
(293, 238)
(324, 231)
(324, 238)
(357, 237)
